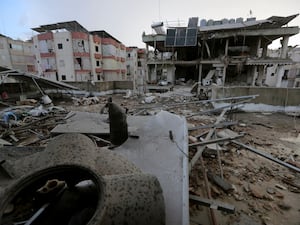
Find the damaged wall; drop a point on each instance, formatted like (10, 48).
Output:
(283, 97)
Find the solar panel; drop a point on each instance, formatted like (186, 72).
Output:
(191, 37)
(170, 39)
(183, 36)
(193, 22)
(180, 36)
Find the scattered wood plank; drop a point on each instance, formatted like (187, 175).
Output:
(220, 125)
(227, 187)
(208, 136)
(213, 204)
(4, 142)
(264, 125)
(292, 183)
(218, 140)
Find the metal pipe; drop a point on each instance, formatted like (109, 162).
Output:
(268, 156)
(216, 140)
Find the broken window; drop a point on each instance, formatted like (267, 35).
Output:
(79, 61)
(60, 46)
(97, 63)
(63, 77)
(285, 75)
(96, 48)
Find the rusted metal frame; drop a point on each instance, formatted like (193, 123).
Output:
(212, 141)
(213, 204)
(204, 172)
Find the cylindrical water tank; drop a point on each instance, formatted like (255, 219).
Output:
(210, 22)
(239, 20)
(224, 21)
(203, 23)
(232, 21)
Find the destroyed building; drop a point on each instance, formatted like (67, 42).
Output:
(227, 51)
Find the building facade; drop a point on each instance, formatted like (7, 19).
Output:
(137, 68)
(17, 54)
(113, 56)
(68, 52)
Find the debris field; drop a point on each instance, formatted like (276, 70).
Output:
(244, 167)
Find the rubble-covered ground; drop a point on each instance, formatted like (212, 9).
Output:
(263, 192)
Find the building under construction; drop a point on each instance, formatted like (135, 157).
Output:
(228, 51)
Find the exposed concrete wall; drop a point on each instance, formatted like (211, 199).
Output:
(103, 86)
(267, 95)
(123, 84)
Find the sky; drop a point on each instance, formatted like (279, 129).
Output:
(126, 20)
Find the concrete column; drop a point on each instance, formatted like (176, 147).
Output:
(155, 71)
(254, 75)
(173, 74)
(225, 65)
(284, 47)
(224, 74)
(260, 75)
(226, 47)
(279, 75)
(147, 51)
(258, 46)
(283, 55)
(264, 51)
(199, 78)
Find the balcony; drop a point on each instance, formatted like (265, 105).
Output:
(47, 54)
(81, 54)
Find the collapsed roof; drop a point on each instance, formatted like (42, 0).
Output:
(26, 77)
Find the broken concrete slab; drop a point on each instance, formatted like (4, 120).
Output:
(87, 123)
(153, 152)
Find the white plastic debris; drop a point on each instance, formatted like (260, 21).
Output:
(149, 99)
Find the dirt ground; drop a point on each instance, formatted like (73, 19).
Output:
(256, 195)
(264, 192)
